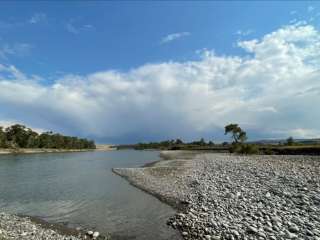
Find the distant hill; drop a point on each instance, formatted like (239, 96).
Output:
(282, 141)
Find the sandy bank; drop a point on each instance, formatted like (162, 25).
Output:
(100, 147)
(105, 147)
(40, 150)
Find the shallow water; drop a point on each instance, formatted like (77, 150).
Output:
(79, 189)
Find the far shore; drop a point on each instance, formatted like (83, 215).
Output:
(39, 150)
(99, 147)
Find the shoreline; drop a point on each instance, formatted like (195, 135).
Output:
(22, 227)
(18, 226)
(174, 159)
(57, 227)
(224, 196)
(5, 151)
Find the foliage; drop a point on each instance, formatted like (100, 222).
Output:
(19, 136)
(290, 141)
(172, 145)
(3, 139)
(244, 148)
(239, 137)
(237, 134)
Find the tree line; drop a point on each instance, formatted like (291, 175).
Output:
(19, 136)
(173, 144)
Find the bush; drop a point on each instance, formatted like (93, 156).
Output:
(244, 149)
(268, 151)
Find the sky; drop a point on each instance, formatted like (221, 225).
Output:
(125, 72)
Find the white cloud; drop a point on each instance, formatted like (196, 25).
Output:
(297, 133)
(174, 36)
(310, 8)
(37, 18)
(74, 28)
(71, 28)
(273, 91)
(16, 49)
(88, 26)
(8, 123)
(244, 32)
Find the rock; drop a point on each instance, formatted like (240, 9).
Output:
(95, 234)
(90, 233)
(291, 235)
(235, 233)
(207, 237)
(293, 228)
(252, 230)
(268, 229)
(309, 233)
(215, 238)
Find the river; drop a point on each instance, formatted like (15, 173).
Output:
(79, 189)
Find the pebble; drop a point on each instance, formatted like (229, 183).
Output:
(95, 234)
(252, 229)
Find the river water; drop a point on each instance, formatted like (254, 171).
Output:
(79, 189)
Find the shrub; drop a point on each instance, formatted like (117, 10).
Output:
(244, 149)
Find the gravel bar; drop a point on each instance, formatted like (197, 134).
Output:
(13, 227)
(223, 196)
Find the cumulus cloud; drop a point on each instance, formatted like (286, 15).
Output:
(273, 91)
(174, 36)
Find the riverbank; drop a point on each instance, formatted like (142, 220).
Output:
(18, 227)
(99, 147)
(222, 196)
(13, 227)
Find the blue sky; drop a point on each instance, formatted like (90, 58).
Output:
(94, 59)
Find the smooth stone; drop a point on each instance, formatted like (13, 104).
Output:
(291, 235)
(95, 234)
(252, 229)
(293, 228)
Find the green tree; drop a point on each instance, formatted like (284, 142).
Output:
(290, 141)
(202, 142)
(17, 135)
(3, 139)
(237, 134)
(20, 136)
